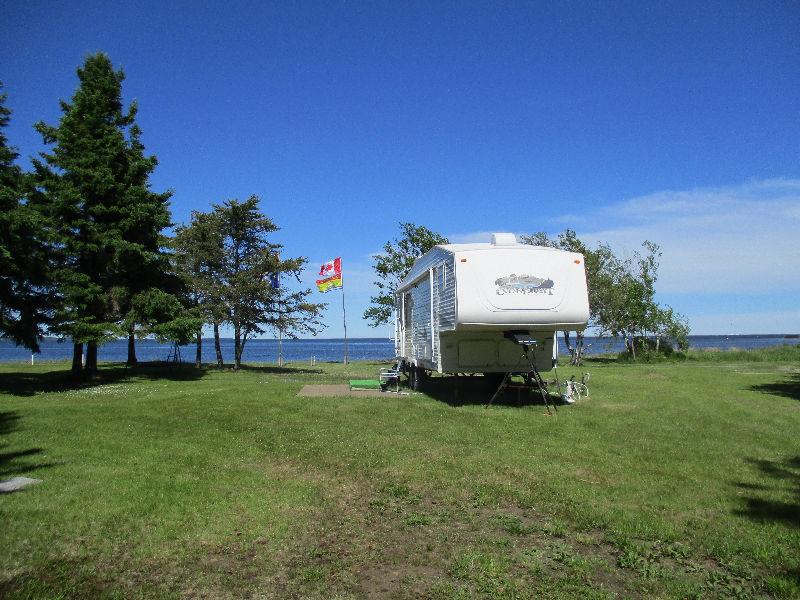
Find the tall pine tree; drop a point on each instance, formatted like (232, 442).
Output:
(25, 295)
(105, 219)
(198, 257)
(233, 272)
(141, 264)
(251, 267)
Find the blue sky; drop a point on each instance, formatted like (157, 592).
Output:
(676, 122)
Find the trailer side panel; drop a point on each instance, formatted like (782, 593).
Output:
(421, 339)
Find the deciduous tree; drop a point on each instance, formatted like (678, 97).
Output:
(393, 265)
(163, 315)
(568, 240)
(621, 294)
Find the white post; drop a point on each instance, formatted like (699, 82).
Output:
(344, 320)
(31, 358)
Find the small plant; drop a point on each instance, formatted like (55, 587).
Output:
(510, 524)
(676, 550)
(417, 519)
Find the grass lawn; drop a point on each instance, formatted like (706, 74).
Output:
(671, 480)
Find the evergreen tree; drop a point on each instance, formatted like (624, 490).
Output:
(163, 315)
(105, 220)
(141, 265)
(25, 295)
(251, 266)
(198, 258)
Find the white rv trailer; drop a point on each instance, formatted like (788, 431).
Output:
(457, 303)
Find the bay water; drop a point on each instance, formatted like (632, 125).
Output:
(332, 350)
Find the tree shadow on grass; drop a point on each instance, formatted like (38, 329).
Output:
(16, 462)
(786, 476)
(8, 466)
(26, 383)
(8, 421)
(276, 370)
(788, 388)
(477, 390)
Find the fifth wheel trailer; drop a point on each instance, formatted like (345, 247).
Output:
(457, 306)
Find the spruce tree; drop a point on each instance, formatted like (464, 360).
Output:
(141, 265)
(25, 295)
(105, 220)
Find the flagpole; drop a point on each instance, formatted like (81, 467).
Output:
(344, 320)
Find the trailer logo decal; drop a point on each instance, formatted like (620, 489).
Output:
(523, 284)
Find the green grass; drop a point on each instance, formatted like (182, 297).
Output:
(670, 480)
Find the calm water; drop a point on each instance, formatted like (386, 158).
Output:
(332, 350)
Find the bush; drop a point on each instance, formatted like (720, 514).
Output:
(648, 349)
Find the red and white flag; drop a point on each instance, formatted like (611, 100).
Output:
(330, 275)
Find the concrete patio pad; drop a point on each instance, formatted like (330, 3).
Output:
(16, 484)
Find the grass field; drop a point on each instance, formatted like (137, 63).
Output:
(671, 480)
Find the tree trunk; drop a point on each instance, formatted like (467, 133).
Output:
(198, 357)
(568, 344)
(237, 347)
(91, 358)
(131, 348)
(217, 346)
(578, 357)
(241, 348)
(77, 358)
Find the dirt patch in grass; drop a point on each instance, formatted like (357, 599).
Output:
(392, 540)
(396, 542)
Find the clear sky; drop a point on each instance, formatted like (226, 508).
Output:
(677, 122)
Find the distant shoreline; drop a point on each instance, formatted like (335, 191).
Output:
(268, 350)
(385, 338)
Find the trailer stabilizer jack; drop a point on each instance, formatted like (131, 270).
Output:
(531, 377)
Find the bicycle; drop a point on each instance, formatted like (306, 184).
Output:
(572, 391)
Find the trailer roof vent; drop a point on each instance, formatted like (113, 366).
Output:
(504, 239)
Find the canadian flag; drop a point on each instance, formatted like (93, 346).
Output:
(330, 275)
(331, 268)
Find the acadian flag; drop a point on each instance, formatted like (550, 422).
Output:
(330, 275)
